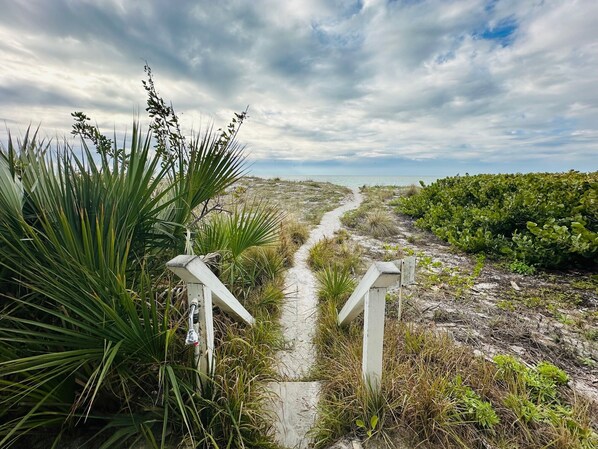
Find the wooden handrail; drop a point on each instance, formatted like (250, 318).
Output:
(203, 288)
(191, 269)
(370, 297)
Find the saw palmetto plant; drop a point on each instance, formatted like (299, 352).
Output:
(89, 328)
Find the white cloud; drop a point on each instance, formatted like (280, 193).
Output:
(464, 80)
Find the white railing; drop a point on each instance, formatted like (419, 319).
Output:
(204, 290)
(370, 297)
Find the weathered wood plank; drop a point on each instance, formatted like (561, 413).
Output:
(191, 269)
(408, 270)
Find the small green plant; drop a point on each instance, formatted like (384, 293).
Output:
(523, 408)
(391, 252)
(471, 407)
(518, 266)
(506, 305)
(564, 319)
(589, 362)
(591, 334)
(370, 427)
(549, 371)
(336, 284)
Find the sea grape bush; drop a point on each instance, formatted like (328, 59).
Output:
(539, 219)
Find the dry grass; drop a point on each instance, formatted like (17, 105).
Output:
(308, 201)
(439, 394)
(337, 251)
(420, 399)
(379, 224)
(293, 234)
(373, 217)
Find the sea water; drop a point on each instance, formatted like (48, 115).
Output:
(354, 181)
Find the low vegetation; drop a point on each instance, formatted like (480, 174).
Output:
(373, 217)
(336, 252)
(92, 328)
(535, 220)
(466, 323)
(303, 201)
(436, 393)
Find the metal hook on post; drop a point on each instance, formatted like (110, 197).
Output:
(192, 334)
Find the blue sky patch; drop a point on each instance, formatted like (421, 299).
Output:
(502, 32)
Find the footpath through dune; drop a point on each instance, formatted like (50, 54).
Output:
(296, 396)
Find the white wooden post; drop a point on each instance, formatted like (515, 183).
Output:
(204, 327)
(407, 267)
(373, 336)
(191, 269)
(204, 290)
(370, 296)
(380, 275)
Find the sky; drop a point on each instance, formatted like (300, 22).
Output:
(401, 87)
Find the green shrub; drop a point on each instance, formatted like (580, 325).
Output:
(537, 219)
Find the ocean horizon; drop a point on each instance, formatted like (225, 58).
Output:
(354, 181)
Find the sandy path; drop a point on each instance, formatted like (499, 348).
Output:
(296, 402)
(299, 311)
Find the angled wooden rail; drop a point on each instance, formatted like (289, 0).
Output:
(204, 289)
(370, 297)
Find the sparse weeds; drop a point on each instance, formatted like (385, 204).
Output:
(436, 275)
(392, 252)
(556, 302)
(589, 283)
(307, 200)
(437, 394)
